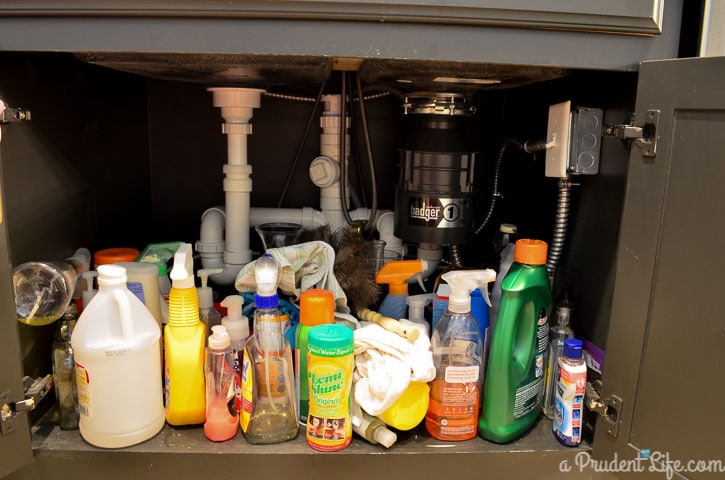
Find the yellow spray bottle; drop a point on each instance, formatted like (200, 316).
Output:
(395, 274)
(184, 385)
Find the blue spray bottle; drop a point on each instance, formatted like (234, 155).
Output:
(395, 274)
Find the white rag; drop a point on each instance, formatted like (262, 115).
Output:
(301, 267)
(386, 363)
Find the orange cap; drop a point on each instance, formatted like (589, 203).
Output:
(530, 252)
(317, 306)
(112, 255)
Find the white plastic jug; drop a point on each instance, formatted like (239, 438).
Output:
(118, 365)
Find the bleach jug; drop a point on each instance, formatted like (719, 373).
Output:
(514, 386)
(118, 365)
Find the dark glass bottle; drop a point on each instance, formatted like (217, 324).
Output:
(64, 371)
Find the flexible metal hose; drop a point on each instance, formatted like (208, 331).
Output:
(495, 192)
(529, 147)
(560, 225)
(456, 256)
(299, 98)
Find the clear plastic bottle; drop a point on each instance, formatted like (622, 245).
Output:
(43, 289)
(237, 326)
(455, 393)
(208, 315)
(507, 235)
(64, 379)
(558, 333)
(503, 247)
(221, 414)
(269, 413)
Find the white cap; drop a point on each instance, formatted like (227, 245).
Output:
(109, 275)
(182, 274)
(236, 324)
(265, 274)
(219, 338)
(462, 283)
(206, 295)
(385, 437)
(508, 228)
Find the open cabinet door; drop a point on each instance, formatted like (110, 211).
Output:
(666, 343)
(15, 451)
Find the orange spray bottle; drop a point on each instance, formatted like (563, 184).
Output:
(396, 274)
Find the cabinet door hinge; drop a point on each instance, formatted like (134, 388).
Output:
(9, 114)
(36, 389)
(642, 131)
(9, 410)
(608, 408)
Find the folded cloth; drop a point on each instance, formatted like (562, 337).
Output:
(386, 363)
(301, 267)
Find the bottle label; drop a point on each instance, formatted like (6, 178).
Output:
(329, 426)
(247, 383)
(237, 382)
(568, 405)
(462, 374)
(83, 381)
(270, 375)
(453, 408)
(530, 392)
(167, 383)
(137, 289)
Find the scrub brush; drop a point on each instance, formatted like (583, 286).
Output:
(351, 268)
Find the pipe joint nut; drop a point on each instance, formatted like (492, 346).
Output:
(237, 170)
(241, 185)
(237, 128)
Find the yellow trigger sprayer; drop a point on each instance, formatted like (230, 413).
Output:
(396, 274)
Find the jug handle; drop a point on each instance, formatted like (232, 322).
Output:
(125, 309)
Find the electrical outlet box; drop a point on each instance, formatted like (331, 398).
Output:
(558, 132)
(586, 140)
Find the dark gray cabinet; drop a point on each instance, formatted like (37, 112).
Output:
(659, 280)
(566, 33)
(667, 334)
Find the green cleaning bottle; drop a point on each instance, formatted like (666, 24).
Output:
(514, 384)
